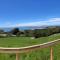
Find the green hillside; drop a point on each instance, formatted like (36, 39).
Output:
(43, 54)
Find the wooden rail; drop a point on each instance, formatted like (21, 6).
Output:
(30, 48)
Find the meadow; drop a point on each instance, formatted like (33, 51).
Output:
(43, 54)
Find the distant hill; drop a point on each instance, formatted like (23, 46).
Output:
(25, 28)
(28, 28)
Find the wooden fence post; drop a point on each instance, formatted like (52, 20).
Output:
(17, 56)
(51, 53)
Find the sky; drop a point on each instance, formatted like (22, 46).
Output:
(16, 13)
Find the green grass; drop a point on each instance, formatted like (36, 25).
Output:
(43, 54)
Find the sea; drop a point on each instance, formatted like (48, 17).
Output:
(24, 28)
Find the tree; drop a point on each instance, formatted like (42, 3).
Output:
(15, 31)
(40, 33)
(1, 31)
(28, 33)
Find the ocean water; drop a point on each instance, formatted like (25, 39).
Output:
(23, 28)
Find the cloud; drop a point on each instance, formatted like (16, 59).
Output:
(32, 24)
(8, 24)
(51, 21)
(54, 20)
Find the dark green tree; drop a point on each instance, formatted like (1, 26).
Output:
(15, 31)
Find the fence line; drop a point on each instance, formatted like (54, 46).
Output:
(29, 48)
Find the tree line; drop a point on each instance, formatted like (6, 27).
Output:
(34, 33)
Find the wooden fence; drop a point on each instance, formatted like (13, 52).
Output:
(30, 48)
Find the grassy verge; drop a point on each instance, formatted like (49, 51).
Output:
(43, 54)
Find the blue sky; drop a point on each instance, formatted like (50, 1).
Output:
(29, 12)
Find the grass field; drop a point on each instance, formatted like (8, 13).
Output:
(43, 54)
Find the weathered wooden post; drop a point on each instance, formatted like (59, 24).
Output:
(51, 53)
(17, 56)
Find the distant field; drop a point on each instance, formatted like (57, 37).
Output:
(27, 41)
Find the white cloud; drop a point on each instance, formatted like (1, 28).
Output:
(54, 20)
(32, 24)
(8, 24)
(51, 21)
